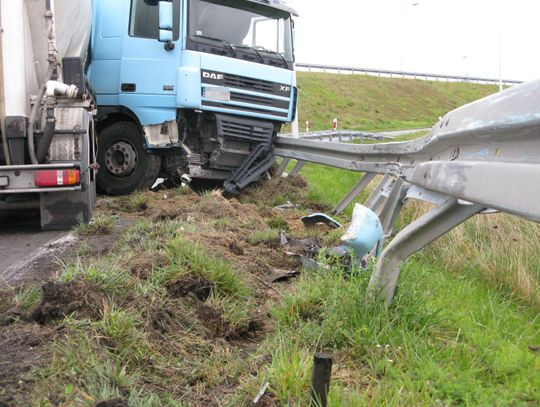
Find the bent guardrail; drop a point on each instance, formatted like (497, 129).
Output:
(482, 156)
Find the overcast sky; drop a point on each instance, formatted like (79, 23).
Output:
(458, 37)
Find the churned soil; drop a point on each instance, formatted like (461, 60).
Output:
(225, 229)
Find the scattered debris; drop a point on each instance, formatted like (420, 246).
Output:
(365, 231)
(288, 206)
(278, 275)
(316, 218)
(308, 263)
(261, 393)
(309, 246)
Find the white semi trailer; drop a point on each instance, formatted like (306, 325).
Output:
(47, 147)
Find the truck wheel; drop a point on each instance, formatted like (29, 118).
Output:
(124, 164)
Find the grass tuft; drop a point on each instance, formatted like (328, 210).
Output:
(102, 225)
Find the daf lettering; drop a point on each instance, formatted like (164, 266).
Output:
(211, 75)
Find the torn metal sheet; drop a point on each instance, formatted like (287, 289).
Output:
(314, 219)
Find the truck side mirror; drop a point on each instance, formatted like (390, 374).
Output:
(166, 19)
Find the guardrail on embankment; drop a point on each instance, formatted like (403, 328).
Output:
(482, 157)
(401, 74)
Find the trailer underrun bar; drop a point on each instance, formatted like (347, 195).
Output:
(484, 156)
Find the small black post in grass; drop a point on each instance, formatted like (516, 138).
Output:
(320, 380)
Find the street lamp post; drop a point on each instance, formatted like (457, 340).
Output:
(401, 32)
(457, 61)
(499, 44)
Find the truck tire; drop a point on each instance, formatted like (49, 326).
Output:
(124, 164)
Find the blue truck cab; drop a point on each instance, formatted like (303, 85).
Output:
(190, 89)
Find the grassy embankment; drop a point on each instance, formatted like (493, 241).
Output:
(180, 313)
(376, 104)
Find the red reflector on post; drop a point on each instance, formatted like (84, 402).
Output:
(57, 178)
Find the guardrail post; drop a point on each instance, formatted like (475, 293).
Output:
(282, 166)
(353, 193)
(413, 238)
(297, 168)
(320, 380)
(376, 198)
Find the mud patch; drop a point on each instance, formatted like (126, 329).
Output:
(200, 287)
(113, 403)
(279, 191)
(24, 347)
(62, 299)
(218, 327)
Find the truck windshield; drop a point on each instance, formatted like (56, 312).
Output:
(241, 25)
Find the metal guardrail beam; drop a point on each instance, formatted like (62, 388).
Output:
(483, 155)
(417, 75)
(340, 135)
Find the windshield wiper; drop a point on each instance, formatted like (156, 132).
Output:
(283, 58)
(227, 43)
(261, 59)
(276, 53)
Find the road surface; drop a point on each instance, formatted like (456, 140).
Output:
(24, 248)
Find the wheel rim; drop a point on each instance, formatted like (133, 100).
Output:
(121, 158)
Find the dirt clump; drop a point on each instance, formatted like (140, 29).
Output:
(236, 249)
(200, 287)
(279, 191)
(142, 264)
(113, 403)
(162, 319)
(219, 327)
(62, 299)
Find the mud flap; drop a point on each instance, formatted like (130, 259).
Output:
(250, 170)
(64, 210)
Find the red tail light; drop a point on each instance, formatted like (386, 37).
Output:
(57, 178)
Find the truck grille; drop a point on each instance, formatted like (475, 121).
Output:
(258, 100)
(255, 104)
(247, 130)
(255, 85)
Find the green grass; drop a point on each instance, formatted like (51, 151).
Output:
(458, 332)
(264, 236)
(102, 225)
(371, 103)
(427, 348)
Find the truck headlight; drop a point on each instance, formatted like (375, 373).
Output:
(216, 93)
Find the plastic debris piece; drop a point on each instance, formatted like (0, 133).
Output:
(261, 393)
(283, 238)
(288, 206)
(313, 219)
(365, 231)
(279, 276)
